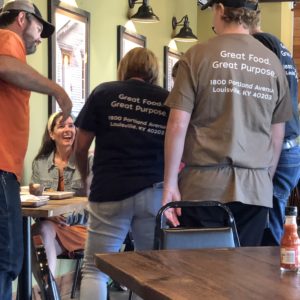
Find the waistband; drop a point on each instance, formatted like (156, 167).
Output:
(5, 172)
(288, 144)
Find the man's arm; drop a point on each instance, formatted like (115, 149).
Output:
(25, 77)
(82, 145)
(278, 130)
(174, 143)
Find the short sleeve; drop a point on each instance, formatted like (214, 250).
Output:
(283, 110)
(86, 118)
(182, 96)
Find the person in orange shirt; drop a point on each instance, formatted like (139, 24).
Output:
(21, 30)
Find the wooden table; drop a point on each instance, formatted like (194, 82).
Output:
(240, 273)
(53, 208)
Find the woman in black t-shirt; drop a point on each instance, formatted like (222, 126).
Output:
(128, 120)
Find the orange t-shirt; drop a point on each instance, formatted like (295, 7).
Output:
(14, 110)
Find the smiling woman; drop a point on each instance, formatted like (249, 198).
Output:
(54, 168)
(55, 158)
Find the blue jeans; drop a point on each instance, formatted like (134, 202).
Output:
(11, 233)
(109, 223)
(286, 178)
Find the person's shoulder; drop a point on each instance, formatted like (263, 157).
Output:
(203, 49)
(11, 44)
(107, 86)
(267, 38)
(271, 42)
(266, 35)
(43, 160)
(8, 34)
(161, 90)
(151, 90)
(198, 47)
(157, 87)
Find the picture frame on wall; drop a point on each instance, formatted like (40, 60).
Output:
(127, 40)
(69, 57)
(171, 56)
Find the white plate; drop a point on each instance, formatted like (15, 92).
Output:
(29, 197)
(33, 201)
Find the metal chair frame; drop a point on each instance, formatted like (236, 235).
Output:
(78, 256)
(162, 231)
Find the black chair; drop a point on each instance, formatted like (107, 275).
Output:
(78, 256)
(213, 232)
(216, 229)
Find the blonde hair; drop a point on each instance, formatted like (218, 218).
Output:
(141, 63)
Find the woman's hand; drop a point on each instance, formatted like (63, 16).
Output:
(172, 194)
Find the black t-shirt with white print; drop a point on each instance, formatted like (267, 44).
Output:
(129, 120)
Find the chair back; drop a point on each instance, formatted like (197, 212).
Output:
(205, 236)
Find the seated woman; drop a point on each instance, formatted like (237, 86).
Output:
(54, 168)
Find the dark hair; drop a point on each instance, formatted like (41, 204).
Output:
(8, 17)
(139, 62)
(48, 145)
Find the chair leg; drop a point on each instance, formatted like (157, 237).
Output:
(108, 291)
(76, 275)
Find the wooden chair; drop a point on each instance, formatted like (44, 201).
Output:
(208, 235)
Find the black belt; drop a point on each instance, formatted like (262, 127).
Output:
(288, 144)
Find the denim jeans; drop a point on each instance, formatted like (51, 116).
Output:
(286, 178)
(11, 233)
(109, 223)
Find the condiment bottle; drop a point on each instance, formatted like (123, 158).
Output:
(289, 246)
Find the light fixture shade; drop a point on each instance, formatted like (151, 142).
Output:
(145, 14)
(70, 2)
(185, 35)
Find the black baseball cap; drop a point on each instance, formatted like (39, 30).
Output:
(28, 6)
(232, 3)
